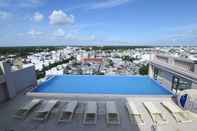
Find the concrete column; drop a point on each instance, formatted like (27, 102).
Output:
(195, 68)
(156, 73)
(171, 60)
(150, 71)
(194, 85)
(151, 68)
(170, 79)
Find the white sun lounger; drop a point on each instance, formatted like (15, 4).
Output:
(43, 113)
(90, 114)
(24, 110)
(134, 113)
(178, 114)
(68, 111)
(112, 115)
(155, 113)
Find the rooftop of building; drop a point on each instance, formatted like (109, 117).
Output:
(8, 109)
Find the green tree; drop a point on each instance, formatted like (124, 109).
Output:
(128, 58)
(143, 70)
(41, 74)
(99, 73)
(110, 62)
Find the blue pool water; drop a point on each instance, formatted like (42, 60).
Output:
(122, 85)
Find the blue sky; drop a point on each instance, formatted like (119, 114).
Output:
(98, 22)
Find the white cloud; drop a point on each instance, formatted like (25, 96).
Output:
(36, 1)
(22, 3)
(184, 33)
(108, 4)
(77, 37)
(4, 15)
(58, 17)
(59, 32)
(100, 4)
(72, 36)
(34, 32)
(38, 17)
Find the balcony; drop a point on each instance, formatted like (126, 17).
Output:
(181, 67)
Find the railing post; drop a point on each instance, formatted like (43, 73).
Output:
(194, 85)
(195, 67)
(151, 68)
(156, 72)
(171, 60)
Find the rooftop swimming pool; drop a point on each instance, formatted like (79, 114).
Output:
(116, 85)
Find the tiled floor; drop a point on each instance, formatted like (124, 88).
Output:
(8, 123)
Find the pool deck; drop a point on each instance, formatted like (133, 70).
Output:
(8, 123)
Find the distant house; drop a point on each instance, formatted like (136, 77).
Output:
(92, 60)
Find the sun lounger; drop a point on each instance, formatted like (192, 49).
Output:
(112, 115)
(155, 113)
(68, 111)
(134, 113)
(178, 114)
(23, 111)
(43, 113)
(90, 115)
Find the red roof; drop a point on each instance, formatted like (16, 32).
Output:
(94, 60)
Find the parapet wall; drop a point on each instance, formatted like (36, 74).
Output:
(18, 80)
(24, 78)
(183, 63)
(3, 90)
(178, 67)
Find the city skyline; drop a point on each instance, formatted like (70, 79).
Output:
(99, 22)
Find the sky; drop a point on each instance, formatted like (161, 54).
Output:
(98, 22)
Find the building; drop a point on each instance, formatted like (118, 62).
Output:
(13, 82)
(178, 73)
(18, 85)
(92, 60)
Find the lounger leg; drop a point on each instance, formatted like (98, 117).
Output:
(154, 119)
(164, 120)
(142, 120)
(177, 117)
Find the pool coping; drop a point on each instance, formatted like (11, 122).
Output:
(49, 94)
(84, 95)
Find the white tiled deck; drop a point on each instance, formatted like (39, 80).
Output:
(8, 123)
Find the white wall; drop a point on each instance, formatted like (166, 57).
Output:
(19, 80)
(3, 92)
